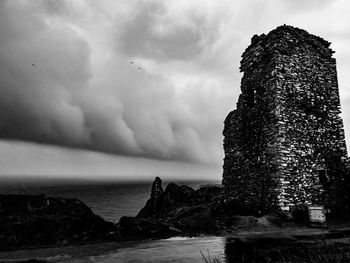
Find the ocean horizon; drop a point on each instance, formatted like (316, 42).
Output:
(109, 199)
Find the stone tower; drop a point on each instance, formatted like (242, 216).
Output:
(284, 144)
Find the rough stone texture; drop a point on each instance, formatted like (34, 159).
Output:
(286, 136)
(161, 202)
(153, 204)
(180, 207)
(157, 193)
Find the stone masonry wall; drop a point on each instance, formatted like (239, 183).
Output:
(286, 133)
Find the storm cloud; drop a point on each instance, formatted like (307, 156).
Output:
(139, 78)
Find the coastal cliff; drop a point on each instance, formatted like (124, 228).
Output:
(182, 210)
(32, 221)
(38, 220)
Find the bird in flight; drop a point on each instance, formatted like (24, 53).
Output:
(132, 62)
(33, 65)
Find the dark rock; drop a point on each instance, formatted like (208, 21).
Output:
(232, 207)
(189, 210)
(193, 212)
(176, 196)
(207, 194)
(300, 214)
(241, 221)
(131, 228)
(14, 204)
(154, 204)
(193, 220)
(279, 218)
(49, 222)
(161, 202)
(157, 192)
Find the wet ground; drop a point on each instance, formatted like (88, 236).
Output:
(248, 245)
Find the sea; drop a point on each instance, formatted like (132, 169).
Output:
(112, 200)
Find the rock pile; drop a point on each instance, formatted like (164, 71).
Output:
(286, 136)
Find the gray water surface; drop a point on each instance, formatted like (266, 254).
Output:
(176, 249)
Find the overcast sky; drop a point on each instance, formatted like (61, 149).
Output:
(131, 89)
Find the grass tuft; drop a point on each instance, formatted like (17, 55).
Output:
(208, 259)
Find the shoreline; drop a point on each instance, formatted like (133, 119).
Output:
(299, 236)
(177, 217)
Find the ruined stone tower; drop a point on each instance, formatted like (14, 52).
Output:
(284, 144)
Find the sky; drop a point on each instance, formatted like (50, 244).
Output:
(130, 89)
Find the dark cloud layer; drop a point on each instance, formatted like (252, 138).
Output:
(51, 90)
(66, 76)
(41, 65)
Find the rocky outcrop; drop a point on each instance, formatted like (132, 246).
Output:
(32, 221)
(178, 210)
(181, 210)
(22, 203)
(37, 220)
(153, 204)
(161, 202)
